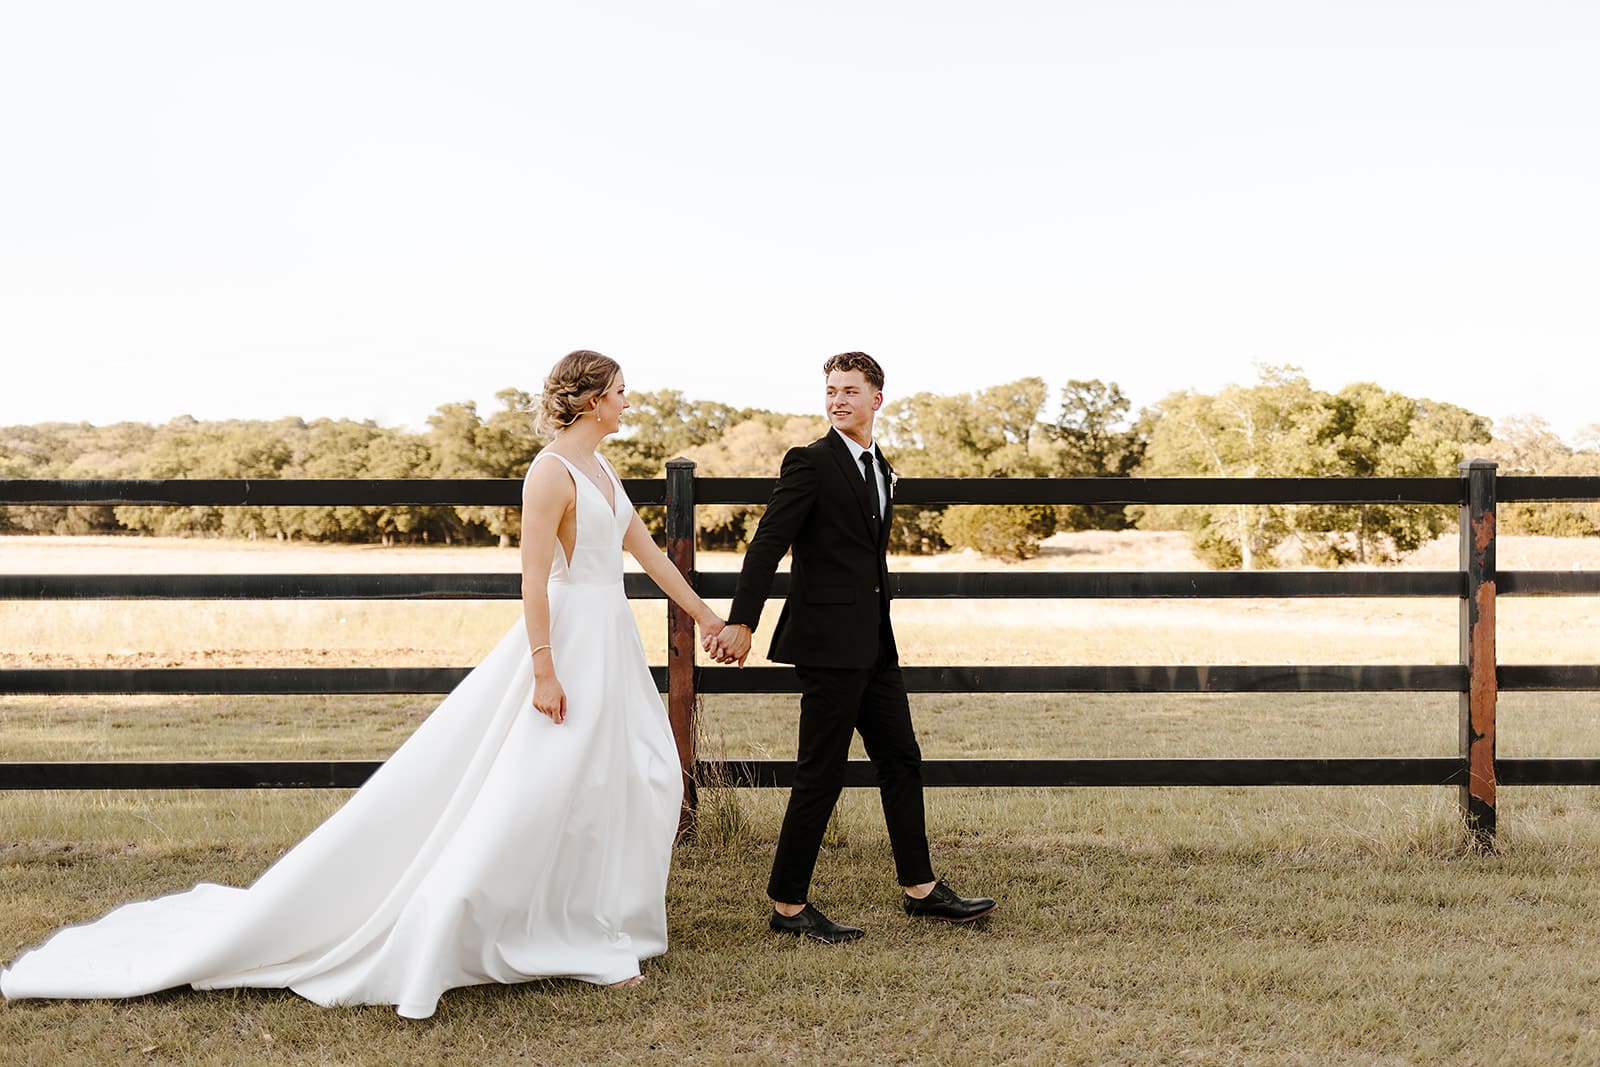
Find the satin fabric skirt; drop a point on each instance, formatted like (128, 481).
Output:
(493, 846)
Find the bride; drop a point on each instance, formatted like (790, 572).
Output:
(524, 831)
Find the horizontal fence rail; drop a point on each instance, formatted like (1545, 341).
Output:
(1293, 678)
(764, 773)
(291, 492)
(937, 773)
(386, 492)
(973, 585)
(1477, 679)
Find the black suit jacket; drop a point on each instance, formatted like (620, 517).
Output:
(838, 605)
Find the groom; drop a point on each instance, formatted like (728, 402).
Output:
(833, 505)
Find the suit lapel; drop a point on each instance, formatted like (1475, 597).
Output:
(888, 511)
(852, 476)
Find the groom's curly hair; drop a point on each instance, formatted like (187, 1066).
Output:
(856, 361)
(577, 378)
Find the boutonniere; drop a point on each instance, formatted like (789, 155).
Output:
(894, 480)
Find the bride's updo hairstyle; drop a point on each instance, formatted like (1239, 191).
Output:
(577, 378)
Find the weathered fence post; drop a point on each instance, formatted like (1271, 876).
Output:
(680, 629)
(1478, 651)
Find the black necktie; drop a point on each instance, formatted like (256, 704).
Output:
(871, 476)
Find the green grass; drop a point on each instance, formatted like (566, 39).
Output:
(1137, 926)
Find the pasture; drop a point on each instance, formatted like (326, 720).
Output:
(1280, 925)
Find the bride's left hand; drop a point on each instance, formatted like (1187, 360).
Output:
(549, 698)
(710, 627)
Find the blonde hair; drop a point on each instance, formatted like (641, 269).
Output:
(577, 378)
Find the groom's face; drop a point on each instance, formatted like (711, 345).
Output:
(852, 402)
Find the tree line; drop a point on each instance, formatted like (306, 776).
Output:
(1277, 426)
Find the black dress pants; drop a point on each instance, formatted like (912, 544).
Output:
(833, 705)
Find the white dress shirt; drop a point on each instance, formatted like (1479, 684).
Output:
(856, 452)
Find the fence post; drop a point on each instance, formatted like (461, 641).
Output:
(1478, 651)
(680, 630)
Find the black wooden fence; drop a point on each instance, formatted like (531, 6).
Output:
(1477, 676)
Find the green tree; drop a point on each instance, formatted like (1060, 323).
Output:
(68, 450)
(467, 446)
(1094, 439)
(1275, 428)
(664, 424)
(26, 452)
(329, 448)
(1375, 433)
(187, 448)
(992, 432)
(393, 454)
(1281, 427)
(1528, 445)
(750, 449)
(1011, 532)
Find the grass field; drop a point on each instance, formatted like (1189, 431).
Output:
(1137, 926)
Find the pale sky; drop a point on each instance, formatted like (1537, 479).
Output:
(367, 209)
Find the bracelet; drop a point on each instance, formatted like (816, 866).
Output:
(540, 649)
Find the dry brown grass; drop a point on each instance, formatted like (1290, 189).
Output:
(1546, 630)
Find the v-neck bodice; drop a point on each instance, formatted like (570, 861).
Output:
(597, 544)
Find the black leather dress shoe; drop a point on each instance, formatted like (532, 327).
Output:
(944, 905)
(813, 924)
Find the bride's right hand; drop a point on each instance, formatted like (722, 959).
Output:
(549, 698)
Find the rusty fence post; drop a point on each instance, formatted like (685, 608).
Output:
(680, 629)
(1478, 651)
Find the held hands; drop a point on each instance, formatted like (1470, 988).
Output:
(731, 645)
(716, 637)
(711, 625)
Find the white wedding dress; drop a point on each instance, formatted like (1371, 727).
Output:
(493, 846)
